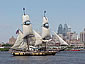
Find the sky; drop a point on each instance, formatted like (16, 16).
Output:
(71, 12)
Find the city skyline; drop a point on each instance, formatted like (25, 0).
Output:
(70, 12)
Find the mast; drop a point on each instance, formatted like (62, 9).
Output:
(45, 30)
(45, 42)
(27, 28)
(26, 37)
(27, 40)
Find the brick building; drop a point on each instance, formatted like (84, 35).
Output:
(12, 40)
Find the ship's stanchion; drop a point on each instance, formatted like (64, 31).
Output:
(33, 54)
(16, 54)
(40, 54)
(22, 54)
(37, 54)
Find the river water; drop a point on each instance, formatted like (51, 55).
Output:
(63, 57)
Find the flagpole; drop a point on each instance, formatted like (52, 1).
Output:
(44, 13)
(24, 10)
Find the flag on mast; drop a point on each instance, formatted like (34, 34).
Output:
(17, 31)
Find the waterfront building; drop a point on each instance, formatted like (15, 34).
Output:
(0, 45)
(82, 36)
(76, 43)
(12, 40)
(74, 36)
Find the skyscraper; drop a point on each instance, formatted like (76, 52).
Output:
(60, 29)
(65, 29)
(69, 29)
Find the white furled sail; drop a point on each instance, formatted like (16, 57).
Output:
(23, 45)
(27, 26)
(45, 29)
(18, 40)
(38, 38)
(62, 42)
(47, 40)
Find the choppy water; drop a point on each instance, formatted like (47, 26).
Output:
(64, 57)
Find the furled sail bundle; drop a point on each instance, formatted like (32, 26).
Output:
(38, 38)
(19, 40)
(27, 26)
(45, 29)
(62, 42)
(23, 45)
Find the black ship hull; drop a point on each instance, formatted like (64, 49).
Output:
(45, 53)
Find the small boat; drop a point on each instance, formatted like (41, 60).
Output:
(73, 50)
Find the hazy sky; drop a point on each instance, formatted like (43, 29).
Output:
(71, 12)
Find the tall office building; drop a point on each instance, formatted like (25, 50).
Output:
(69, 29)
(65, 29)
(82, 36)
(60, 29)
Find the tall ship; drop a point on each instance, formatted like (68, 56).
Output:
(31, 43)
